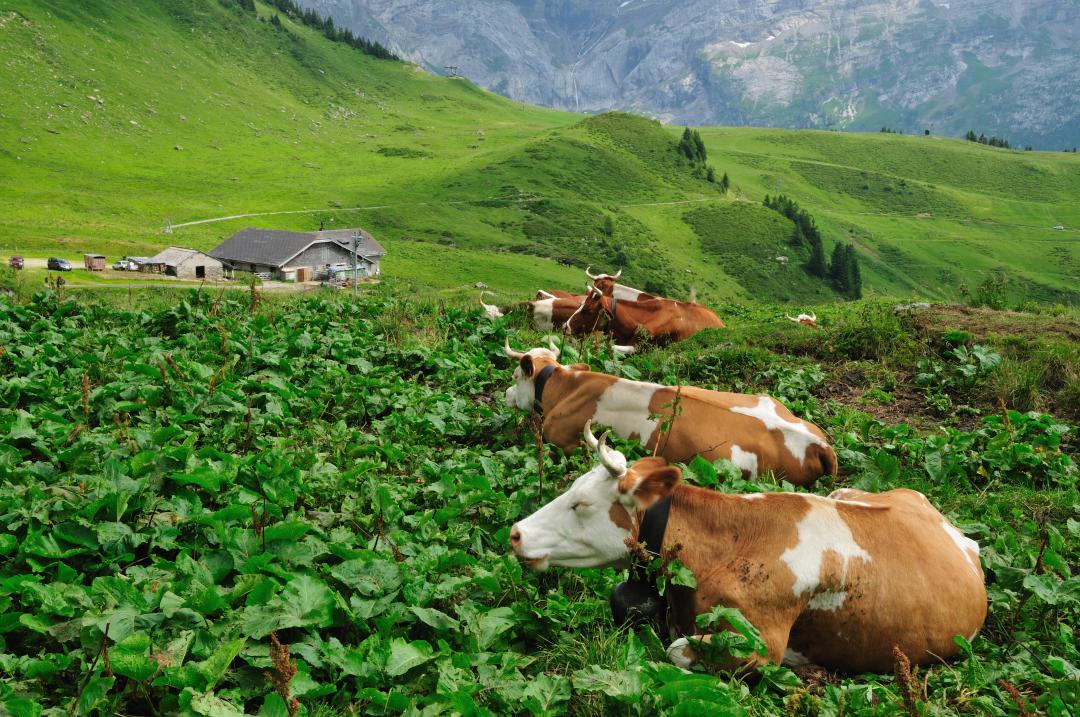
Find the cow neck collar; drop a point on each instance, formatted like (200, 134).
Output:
(538, 386)
(651, 531)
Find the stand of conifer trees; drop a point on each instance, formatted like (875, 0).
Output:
(326, 26)
(843, 272)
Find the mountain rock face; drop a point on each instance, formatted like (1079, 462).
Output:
(1004, 67)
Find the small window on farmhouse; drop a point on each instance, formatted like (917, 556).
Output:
(200, 272)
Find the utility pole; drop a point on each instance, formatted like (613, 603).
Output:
(355, 240)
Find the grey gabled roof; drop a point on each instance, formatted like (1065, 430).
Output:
(273, 247)
(174, 256)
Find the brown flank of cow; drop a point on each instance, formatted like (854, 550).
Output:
(705, 424)
(664, 320)
(917, 590)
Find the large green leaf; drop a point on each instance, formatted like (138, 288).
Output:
(129, 657)
(406, 655)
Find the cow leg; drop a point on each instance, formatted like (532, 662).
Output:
(682, 653)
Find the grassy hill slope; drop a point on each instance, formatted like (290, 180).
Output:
(116, 117)
(925, 213)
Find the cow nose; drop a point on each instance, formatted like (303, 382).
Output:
(515, 538)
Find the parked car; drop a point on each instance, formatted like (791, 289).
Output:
(58, 264)
(16, 262)
(125, 265)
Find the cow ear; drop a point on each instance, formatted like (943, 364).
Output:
(580, 367)
(527, 365)
(648, 481)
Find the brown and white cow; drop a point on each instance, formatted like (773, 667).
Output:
(834, 581)
(557, 294)
(755, 432)
(490, 310)
(606, 283)
(665, 320)
(551, 313)
(804, 319)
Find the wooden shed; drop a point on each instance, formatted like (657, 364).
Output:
(94, 262)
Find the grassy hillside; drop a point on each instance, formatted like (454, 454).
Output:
(116, 117)
(924, 213)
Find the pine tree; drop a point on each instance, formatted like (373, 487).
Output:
(725, 183)
(275, 21)
(839, 272)
(699, 147)
(855, 279)
(817, 266)
(710, 174)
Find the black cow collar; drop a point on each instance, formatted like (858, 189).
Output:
(651, 532)
(638, 601)
(538, 387)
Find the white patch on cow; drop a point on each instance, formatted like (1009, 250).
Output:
(744, 460)
(542, 311)
(831, 601)
(797, 437)
(794, 659)
(966, 545)
(676, 652)
(624, 405)
(752, 496)
(626, 293)
(821, 530)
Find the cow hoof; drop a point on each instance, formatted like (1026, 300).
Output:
(679, 653)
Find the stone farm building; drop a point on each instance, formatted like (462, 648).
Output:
(184, 264)
(299, 256)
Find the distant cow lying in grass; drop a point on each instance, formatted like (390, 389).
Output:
(804, 319)
(835, 581)
(664, 320)
(757, 433)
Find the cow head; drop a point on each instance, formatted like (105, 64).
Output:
(588, 314)
(604, 282)
(523, 392)
(587, 526)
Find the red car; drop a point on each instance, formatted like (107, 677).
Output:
(16, 262)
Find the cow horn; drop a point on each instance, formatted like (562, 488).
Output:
(553, 347)
(614, 461)
(590, 275)
(618, 274)
(547, 294)
(516, 355)
(590, 439)
(791, 318)
(813, 317)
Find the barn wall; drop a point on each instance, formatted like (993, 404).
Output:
(319, 255)
(186, 269)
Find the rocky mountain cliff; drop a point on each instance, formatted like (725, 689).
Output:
(1004, 67)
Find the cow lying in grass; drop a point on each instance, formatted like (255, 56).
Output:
(835, 581)
(757, 433)
(662, 320)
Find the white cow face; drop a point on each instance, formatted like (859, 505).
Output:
(522, 393)
(587, 526)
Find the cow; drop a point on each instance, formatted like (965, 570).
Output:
(804, 319)
(490, 310)
(548, 314)
(606, 284)
(755, 432)
(836, 581)
(665, 320)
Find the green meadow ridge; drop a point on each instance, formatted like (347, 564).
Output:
(118, 116)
